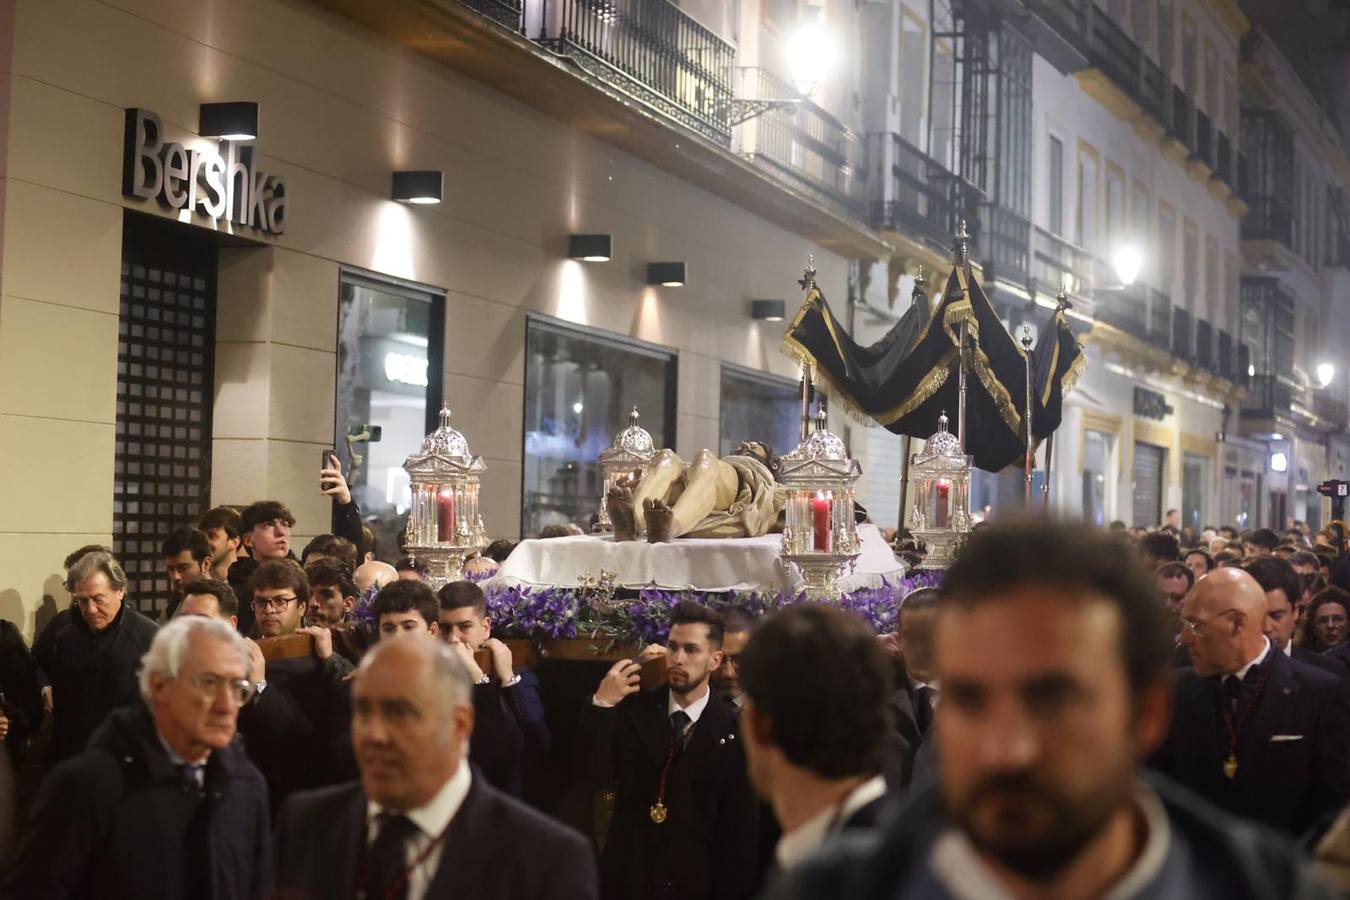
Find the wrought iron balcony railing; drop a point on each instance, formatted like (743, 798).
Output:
(1055, 261)
(1268, 396)
(806, 145)
(1204, 345)
(1183, 335)
(1223, 160)
(1125, 309)
(1225, 362)
(1160, 320)
(924, 196)
(651, 50)
(1203, 148)
(1268, 219)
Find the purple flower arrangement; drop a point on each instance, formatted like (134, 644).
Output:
(552, 613)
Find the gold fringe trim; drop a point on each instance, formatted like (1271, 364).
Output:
(1054, 364)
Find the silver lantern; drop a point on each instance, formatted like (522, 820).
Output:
(629, 457)
(940, 517)
(820, 536)
(444, 526)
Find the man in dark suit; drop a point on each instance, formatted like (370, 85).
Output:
(1052, 650)
(685, 818)
(1255, 732)
(814, 723)
(421, 823)
(1282, 586)
(915, 695)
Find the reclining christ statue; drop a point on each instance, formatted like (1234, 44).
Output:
(735, 496)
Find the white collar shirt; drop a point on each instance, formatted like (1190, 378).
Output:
(1261, 657)
(799, 843)
(693, 710)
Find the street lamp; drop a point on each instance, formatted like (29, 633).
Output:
(810, 56)
(1325, 372)
(1127, 263)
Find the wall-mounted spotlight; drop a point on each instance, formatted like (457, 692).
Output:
(590, 247)
(768, 310)
(422, 186)
(228, 121)
(666, 274)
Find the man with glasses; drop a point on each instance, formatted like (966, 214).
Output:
(296, 727)
(92, 664)
(1254, 731)
(1282, 585)
(130, 816)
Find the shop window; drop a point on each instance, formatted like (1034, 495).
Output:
(1150, 469)
(579, 388)
(388, 393)
(757, 407)
(1194, 490)
(1096, 474)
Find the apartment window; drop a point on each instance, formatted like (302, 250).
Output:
(1231, 288)
(1115, 206)
(1194, 489)
(1211, 279)
(1167, 244)
(1165, 35)
(1056, 186)
(913, 71)
(579, 388)
(1190, 261)
(1085, 214)
(1013, 120)
(780, 15)
(1211, 86)
(1140, 220)
(1141, 23)
(1189, 71)
(759, 407)
(944, 96)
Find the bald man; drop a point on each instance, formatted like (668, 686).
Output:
(421, 822)
(1255, 731)
(373, 573)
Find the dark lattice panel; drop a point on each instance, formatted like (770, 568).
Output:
(165, 350)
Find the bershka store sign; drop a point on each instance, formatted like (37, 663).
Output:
(221, 184)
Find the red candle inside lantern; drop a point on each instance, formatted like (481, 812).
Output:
(820, 520)
(943, 489)
(445, 516)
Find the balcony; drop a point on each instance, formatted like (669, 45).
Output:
(1004, 244)
(1182, 335)
(923, 199)
(1223, 161)
(504, 12)
(1125, 309)
(1112, 51)
(654, 51)
(1204, 140)
(1267, 188)
(1179, 122)
(1160, 320)
(1268, 397)
(1268, 219)
(805, 146)
(1055, 261)
(1244, 364)
(1204, 346)
(1332, 412)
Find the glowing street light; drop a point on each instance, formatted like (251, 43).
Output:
(1325, 372)
(810, 57)
(1127, 263)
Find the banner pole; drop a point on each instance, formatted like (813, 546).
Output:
(1031, 446)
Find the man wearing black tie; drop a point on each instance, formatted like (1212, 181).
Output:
(909, 751)
(1256, 732)
(685, 819)
(421, 823)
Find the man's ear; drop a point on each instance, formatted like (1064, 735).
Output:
(487, 625)
(348, 603)
(207, 563)
(717, 656)
(434, 627)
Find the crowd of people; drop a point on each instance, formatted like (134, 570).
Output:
(1072, 713)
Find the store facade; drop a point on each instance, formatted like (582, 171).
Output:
(165, 346)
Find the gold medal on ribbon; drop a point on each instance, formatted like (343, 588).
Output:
(1230, 767)
(658, 812)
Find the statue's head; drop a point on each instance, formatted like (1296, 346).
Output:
(760, 451)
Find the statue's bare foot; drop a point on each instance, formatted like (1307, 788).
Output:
(619, 504)
(660, 520)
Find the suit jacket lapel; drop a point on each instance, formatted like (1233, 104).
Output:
(352, 834)
(653, 727)
(467, 840)
(1272, 709)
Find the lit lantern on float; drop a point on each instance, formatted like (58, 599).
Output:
(820, 535)
(940, 517)
(444, 526)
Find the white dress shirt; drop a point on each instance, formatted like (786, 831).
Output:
(431, 819)
(1260, 658)
(807, 838)
(693, 710)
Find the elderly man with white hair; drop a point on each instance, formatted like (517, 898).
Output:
(163, 802)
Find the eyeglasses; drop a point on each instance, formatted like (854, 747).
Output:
(1194, 625)
(277, 603)
(240, 690)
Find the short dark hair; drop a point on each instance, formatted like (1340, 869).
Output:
(403, 596)
(1228, 558)
(1264, 538)
(687, 612)
(917, 600)
(1177, 570)
(1160, 545)
(224, 594)
(331, 546)
(555, 531)
(256, 514)
(1322, 598)
(1117, 525)
(819, 675)
(499, 550)
(459, 594)
(372, 543)
(189, 539)
(225, 518)
(1209, 560)
(1305, 558)
(278, 574)
(1071, 558)
(328, 572)
(735, 620)
(1275, 574)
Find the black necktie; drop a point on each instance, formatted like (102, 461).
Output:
(923, 708)
(387, 860)
(679, 720)
(1232, 691)
(192, 777)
